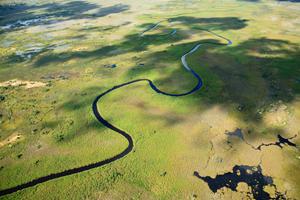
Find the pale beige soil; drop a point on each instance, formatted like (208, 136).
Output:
(15, 137)
(25, 84)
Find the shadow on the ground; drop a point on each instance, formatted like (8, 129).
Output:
(78, 107)
(213, 23)
(250, 74)
(247, 76)
(135, 43)
(18, 16)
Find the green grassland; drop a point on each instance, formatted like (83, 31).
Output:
(253, 84)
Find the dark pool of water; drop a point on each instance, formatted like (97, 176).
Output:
(251, 175)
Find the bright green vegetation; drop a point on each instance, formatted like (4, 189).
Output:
(253, 84)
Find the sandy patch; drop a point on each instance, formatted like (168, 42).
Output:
(80, 48)
(274, 18)
(284, 117)
(219, 120)
(277, 117)
(25, 84)
(11, 139)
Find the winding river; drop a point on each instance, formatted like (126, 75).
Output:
(99, 117)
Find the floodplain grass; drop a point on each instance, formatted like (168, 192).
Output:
(173, 137)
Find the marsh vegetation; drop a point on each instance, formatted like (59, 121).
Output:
(57, 56)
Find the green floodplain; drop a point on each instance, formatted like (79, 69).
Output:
(235, 138)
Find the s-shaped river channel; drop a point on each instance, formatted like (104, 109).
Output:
(113, 127)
